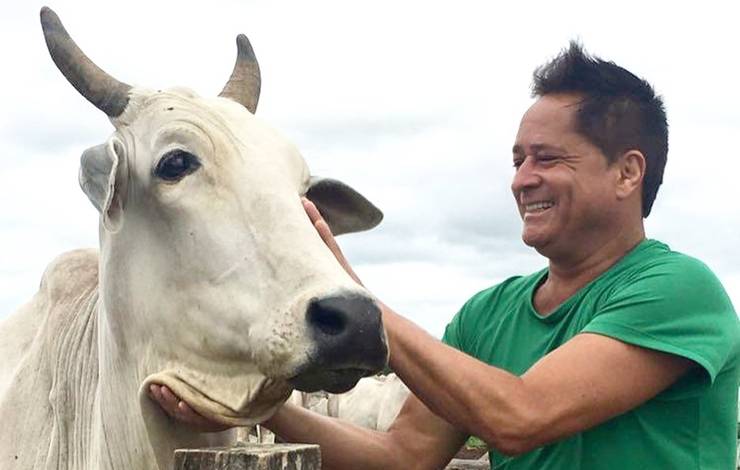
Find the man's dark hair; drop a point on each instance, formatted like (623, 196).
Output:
(619, 111)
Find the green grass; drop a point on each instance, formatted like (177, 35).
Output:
(476, 443)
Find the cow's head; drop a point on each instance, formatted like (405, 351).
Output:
(211, 273)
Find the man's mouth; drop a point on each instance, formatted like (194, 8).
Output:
(539, 206)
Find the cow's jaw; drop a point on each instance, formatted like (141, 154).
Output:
(333, 381)
(238, 400)
(124, 424)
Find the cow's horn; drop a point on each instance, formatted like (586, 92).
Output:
(244, 84)
(105, 92)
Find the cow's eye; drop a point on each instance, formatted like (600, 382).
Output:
(176, 164)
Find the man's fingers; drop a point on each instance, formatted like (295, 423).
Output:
(154, 392)
(320, 224)
(325, 233)
(165, 398)
(313, 212)
(328, 238)
(181, 411)
(169, 402)
(167, 395)
(189, 415)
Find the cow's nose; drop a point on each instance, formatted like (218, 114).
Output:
(350, 343)
(348, 331)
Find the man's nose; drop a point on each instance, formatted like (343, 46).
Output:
(526, 176)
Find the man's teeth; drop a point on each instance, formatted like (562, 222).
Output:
(538, 206)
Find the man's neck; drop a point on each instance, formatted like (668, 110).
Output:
(567, 276)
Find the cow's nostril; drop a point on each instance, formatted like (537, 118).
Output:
(327, 320)
(348, 340)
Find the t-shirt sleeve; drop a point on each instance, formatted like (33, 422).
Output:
(452, 335)
(677, 306)
(458, 332)
(464, 329)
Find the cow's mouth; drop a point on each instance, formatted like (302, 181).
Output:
(333, 381)
(250, 404)
(215, 418)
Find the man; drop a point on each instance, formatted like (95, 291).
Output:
(621, 354)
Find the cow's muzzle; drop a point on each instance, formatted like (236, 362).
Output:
(349, 343)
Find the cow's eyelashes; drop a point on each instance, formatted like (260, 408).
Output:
(176, 164)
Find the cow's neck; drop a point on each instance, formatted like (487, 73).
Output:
(134, 432)
(121, 437)
(97, 421)
(72, 344)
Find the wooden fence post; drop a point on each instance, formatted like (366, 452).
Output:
(250, 457)
(462, 464)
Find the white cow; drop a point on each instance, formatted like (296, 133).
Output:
(209, 279)
(373, 403)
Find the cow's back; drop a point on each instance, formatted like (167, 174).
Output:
(67, 277)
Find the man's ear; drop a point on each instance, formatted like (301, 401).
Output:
(343, 208)
(631, 173)
(103, 177)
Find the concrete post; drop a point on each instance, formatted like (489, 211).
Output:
(250, 457)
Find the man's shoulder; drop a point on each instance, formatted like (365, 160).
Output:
(486, 306)
(654, 260)
(656, 250)
(665, 300)
(511, 286)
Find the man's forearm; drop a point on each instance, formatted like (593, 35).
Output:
(451, 383)
(567, 391)
(343, 445)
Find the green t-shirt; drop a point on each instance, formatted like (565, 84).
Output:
(655, 298)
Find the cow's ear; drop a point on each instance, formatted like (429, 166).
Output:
(343, 208)
(103, 177)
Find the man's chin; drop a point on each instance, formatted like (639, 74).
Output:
(540, 242)
(534, 239)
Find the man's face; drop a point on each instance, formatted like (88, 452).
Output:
(564, 186)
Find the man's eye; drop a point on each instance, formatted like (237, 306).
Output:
(176, 164)
(547, 158)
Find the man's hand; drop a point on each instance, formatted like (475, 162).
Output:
(181, 411)
(325, 233)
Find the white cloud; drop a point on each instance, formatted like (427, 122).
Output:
(413, 103)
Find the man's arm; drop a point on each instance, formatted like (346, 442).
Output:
(586, 381)
(418, 439)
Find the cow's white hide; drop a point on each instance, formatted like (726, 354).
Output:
(373, 403)
(202, 285)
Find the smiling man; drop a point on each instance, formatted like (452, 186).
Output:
(620, 354)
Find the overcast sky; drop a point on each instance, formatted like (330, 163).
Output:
(413, 103)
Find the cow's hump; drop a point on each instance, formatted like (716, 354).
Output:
(70, 274)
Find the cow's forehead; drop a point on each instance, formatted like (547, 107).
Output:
(149, 110)
(224, 128)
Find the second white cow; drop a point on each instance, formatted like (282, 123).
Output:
(373, 403)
